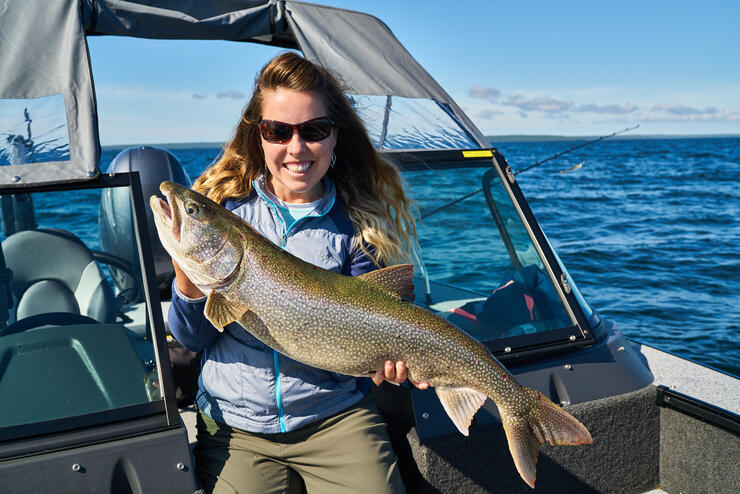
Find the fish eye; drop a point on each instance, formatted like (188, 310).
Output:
(192, 209)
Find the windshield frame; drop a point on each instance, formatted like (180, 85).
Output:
(165, 409)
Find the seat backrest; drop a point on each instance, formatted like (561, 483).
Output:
(54, 271)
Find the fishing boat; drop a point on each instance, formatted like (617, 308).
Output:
(88, 400)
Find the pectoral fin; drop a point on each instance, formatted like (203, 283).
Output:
(461, 405)
(395, 279)
(221, 311)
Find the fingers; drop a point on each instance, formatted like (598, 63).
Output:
(420, 384)
(378, 377)
(396, 373)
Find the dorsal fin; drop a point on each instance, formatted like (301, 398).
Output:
(394, 279)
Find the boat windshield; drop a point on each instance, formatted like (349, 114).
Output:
(489, 275)
(77, 341)
(398, 123)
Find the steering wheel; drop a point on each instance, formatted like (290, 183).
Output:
(124, 265)
(48, 318)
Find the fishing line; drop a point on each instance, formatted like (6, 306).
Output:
(427, 214)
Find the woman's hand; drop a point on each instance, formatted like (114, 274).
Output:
(395, 373)
(184, 284)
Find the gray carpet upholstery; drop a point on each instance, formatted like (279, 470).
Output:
(623, 458)
(696, 456)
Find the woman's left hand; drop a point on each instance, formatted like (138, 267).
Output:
(395, 373)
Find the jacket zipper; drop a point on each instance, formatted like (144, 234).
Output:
(283, 245)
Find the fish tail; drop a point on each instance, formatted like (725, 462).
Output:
(546, 422)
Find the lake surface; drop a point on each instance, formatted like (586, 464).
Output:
(647, 228)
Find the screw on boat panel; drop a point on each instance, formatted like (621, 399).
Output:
(16, 178)
(76, 467)
(425, 415)
(620, 349)
(572, 337)
(181, 466)
(507, 349)
(567, 366)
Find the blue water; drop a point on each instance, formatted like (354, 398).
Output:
(647, 228)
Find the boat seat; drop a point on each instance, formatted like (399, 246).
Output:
(54, 271)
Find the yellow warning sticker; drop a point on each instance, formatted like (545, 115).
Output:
(480, 153)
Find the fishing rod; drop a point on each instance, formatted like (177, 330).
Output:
(573, 148)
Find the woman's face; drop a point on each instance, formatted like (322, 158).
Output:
(296, 167)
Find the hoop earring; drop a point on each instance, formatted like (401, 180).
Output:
(333, 160)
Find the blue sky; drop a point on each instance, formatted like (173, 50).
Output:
(525, 67)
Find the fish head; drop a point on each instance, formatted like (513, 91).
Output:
(198, 233)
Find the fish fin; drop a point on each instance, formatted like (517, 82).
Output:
(395, 279)
(221, 311)
(461, 405)
(546, 422)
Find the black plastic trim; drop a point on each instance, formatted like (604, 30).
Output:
(701, 410)
(28, 439)
(442, 159)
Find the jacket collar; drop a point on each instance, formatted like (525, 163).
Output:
(326, 203)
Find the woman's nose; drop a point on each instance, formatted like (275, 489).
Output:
(296, 142)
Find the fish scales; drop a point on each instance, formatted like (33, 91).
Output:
(349, 325)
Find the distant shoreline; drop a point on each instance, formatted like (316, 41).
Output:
(492, 138)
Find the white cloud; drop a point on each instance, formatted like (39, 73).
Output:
(487, 114)
(481, 92)
(610, 109)
(231, 94)
(539, 103)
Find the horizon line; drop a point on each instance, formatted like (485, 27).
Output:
(492, 138)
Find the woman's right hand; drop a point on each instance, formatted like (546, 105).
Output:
(184, 284)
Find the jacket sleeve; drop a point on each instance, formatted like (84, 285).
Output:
(359, 262)
(188, 324)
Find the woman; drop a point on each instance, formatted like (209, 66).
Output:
(303, 172)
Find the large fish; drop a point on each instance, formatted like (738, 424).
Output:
(349, 325)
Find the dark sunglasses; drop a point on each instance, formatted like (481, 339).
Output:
(313, 130)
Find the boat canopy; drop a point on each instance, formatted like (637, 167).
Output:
(48, 116)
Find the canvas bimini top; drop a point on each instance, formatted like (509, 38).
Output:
(48, 115)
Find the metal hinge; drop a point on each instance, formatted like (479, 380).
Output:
(564, 283)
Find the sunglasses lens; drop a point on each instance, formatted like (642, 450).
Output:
(316, 130)
(276, 131)
(312, 130)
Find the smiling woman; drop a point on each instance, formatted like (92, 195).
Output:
(303, 172)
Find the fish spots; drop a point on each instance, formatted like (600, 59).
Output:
(505, 376)
(264, 258)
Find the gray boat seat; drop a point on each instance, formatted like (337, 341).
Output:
(54, 271)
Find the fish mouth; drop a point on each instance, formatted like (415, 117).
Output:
(167, 212)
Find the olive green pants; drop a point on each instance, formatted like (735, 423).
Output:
(346, 453)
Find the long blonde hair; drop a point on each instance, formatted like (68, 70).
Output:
(370, 186)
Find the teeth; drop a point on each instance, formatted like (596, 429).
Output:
(300, 167)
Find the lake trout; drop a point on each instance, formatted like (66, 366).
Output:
(349, 325)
